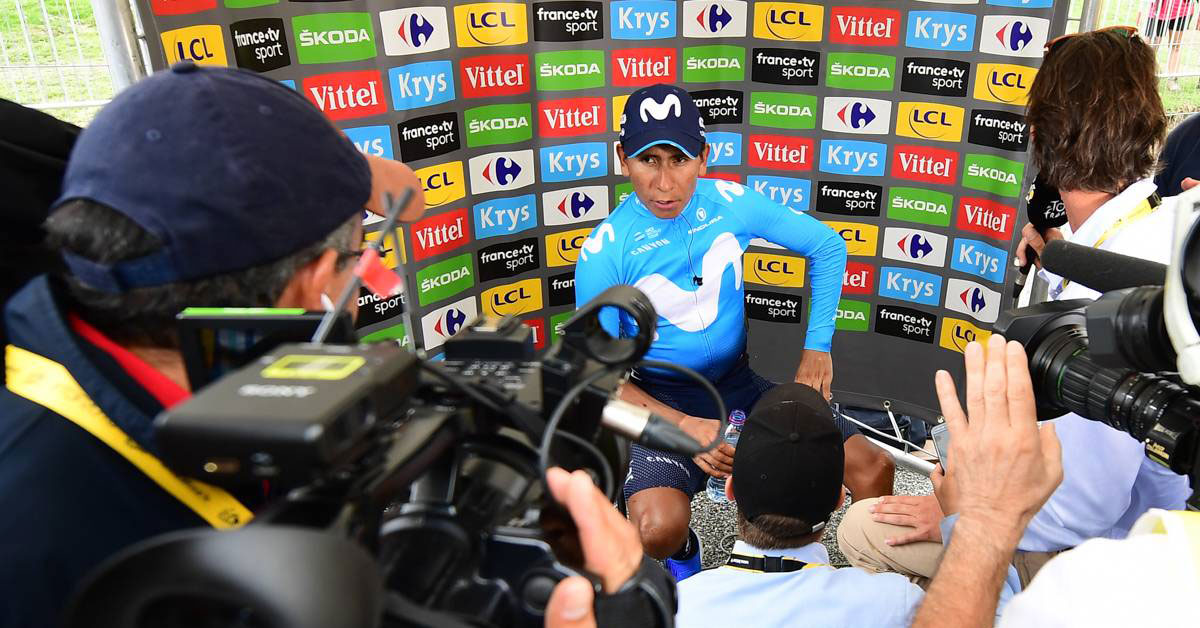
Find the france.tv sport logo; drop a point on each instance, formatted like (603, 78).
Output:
(568, 21)
(848, 198)
(490, 24)
(714, 18)
(864, 116)
(414, 31)
(501, 172)
(788, 21)
(575, 205)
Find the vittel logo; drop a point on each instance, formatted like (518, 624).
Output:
(850, 157)
(723, 18)
(940, 30)
(1014, 35)
(979, 259)
(503, 171)
(791, 193)
(972, 299)
(643, 66)
(495, 75)
(785, 66)
(414, 31)
(848, 199)
(575, 205)
(642, 19)
(568, 21)
(917, 247)
(578, 116)
(440, 233)
(859, 278)
(505, 216)
(864, 116)
(987, 218)
(724, 149)
(907, 284)
(781, 152)
(428, 136)
(864, 27)
(343, 95)
(371, 140)
(572, 162)
(421, 84)
(920, 163)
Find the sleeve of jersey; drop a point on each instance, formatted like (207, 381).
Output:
(596, 272)
(821, 245)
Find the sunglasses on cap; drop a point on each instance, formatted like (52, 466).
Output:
(1127, 32)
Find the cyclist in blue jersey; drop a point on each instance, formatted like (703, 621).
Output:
(680, 239)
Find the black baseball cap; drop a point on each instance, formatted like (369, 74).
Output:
(229, 169)
(661, 114)
(789, 457)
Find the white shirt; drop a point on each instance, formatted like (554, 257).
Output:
(818, 596)
(1107, 480)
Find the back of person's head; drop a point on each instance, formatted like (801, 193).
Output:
(1095, 115)
(201, 187)
(787, 474)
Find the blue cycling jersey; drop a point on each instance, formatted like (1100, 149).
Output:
(703, 326)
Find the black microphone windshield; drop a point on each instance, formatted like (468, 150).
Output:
(1099, 270)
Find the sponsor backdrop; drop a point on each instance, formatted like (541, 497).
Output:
(898, 124)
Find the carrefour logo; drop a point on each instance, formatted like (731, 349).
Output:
(569, 69)
(333, 37)
(719, 18)
(414, 31)
(791, 193)
(446, 321)
(724, 149)
(505, 216)
(491, 24)
(1004, 83)
(1014, 35)
(788, 21)
(372, 140)
(916, 247)
(770, 269)
(572, 162)
(906, 284)
(501, 172)
(993, 174)
(783, 110)
(642, 19)
(851, 157)
(575, 205)
(499, 124)
(848, 199)
(421, 84)
(926, 207)
(972, 299)
(445, 279)
(930, 121)
(976, 258)
(860, 70)
(443, 183)
(866, 116)
(940, 30)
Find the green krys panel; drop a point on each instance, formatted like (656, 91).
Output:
(499, 124)
(395, 332)
(922, 206)
(860, 70)
(445, 279)
(569, 69)
(714, 64)
(853, 316)
(243, 311)
(782, 110)
(333, 37)
(556, 323)
(993, 174)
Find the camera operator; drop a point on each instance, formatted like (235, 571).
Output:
(194, 187)
(1096, 142)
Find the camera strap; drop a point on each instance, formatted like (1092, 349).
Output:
(769, 564)
(50, 385)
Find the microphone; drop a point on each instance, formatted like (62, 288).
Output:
(698, 280)
(1046, 211)
(646, 428)
(1102, 271)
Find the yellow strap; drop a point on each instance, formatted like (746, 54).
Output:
(1143, 209)
(49, 384)
(1191, 528)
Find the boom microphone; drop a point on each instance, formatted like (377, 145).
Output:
(1102, 271)
(1046, 211)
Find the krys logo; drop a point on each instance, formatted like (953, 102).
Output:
(788, 21)
(446, 321)
(921, 163)
(562, 289)
(642, 19)
(916, 247)
(569, 69)
(861, 239)
(714, 64)
(781, 152)
(259, 44)
(724, 149)
(783, 110)
(495, 75)
(499, 124)
(371, 140)
(867, 116)
(848, 199)
(936, 77)
(508, 259)
(993, 174)
(789, 192)
(864, 27)
(572, 162)
(1004, 130)
(957, 334)
(851, 157)
(987, 218)
(443, 183)
(775, 307)
(907, 284)
(575, 205)
(1003, 83)
(562, 249)
(444, 279)
(490, 24)
(343, 95)
(636, 67)
(860, 70)
(784, 66)
(576, 116)
(906, 323)
(421, 84)
(333, 37)
(709, 18)
(440, 233)
(568, 21)
(770, 269)
(852, 316)
(930, 121)
(972, 299)
(976, 258)
(717, 106)
(940, 30)
(203, 44)
(501, 172)
(921, 206)
(1014, 35)
(859, 278)
(505, 216)
(413, 31)
(428, 136)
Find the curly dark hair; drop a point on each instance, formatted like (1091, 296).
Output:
(1096, 118)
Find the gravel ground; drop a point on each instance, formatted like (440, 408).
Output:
(717, 526)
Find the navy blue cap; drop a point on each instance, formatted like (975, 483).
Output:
(661, 114)
(229, 169)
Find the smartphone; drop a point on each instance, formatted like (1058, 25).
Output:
(941, 441)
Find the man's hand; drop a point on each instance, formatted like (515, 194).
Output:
(816, 371)
(611, 546)
(922, 514)
(1188, 182)
(717, 462)
(1032, 239)
(388, 176)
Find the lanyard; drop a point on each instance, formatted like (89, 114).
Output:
(48, 383)
(1141, 210)
(769, 564)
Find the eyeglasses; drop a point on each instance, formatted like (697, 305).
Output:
(349, 254)
(1128, 32)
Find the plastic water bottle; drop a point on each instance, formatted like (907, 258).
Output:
(716, 487)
